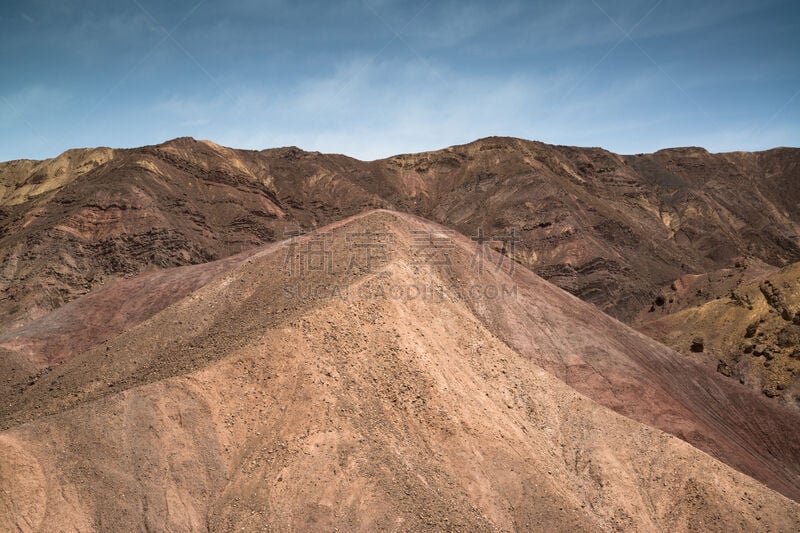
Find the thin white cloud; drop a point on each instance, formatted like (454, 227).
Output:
(461, 70)
(393, 107)
(538, 27)
(33, 99)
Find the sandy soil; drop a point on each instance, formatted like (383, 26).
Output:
(340, 398)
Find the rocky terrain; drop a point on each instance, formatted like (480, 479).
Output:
(751, 335)
(613, 230)
(181, 203)
(391, 391)
(239, 339)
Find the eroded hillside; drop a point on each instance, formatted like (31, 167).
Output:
(614, 230)
(379, 393)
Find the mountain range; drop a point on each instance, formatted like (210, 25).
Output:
(503, 335)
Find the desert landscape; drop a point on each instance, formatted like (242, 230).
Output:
(399, 266)
(285, 340)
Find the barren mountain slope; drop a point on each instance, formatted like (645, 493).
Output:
(752, 335)
(184, 202)
(691, 290)
(612, 229)
(24, 180)
(330, 398)
(109, 310)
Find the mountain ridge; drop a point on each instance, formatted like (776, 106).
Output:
(626, 372)
(616, 231)
(590, 205)
(266, 410)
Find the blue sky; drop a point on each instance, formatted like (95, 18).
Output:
(371, 78)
